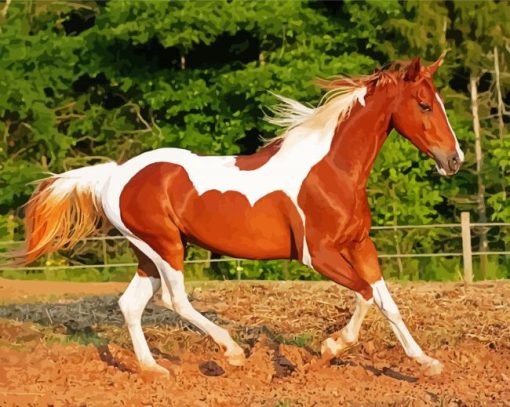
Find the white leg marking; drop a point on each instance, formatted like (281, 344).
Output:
(175, 281)
(351, 330)
(166, 297)
(132, 303)
(349, 334)
(384, 301)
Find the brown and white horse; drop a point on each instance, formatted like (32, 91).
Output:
(301, 197)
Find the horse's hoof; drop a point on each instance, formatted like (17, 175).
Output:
(331, 348)
(432, 368)
(155, 368)
(236, 357)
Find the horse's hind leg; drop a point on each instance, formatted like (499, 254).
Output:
(166, 297)
(175, 282)
(132, 303)
(167, 253)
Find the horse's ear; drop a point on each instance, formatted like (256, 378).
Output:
(413, 70)
(431, 69)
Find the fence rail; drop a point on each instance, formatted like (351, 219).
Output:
(465, 226)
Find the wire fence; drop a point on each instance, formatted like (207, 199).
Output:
(464, 227)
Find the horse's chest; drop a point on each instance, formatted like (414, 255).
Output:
(334, 206)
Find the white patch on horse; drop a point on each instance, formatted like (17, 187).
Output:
(306, 258)
(304, 144)
(441, 170)
(91, 178)
(457, 146)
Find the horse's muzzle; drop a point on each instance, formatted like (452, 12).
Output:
(448, 164)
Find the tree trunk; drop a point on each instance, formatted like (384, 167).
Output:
(183, 61)
(3, 13)
(482, 212)
(501, 122)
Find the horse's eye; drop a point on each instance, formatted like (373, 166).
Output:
(425, 107)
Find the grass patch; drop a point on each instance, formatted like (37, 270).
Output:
(87, 337)
(301, 341)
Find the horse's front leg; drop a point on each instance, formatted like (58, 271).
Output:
(363, 257)
(348, 336)
(332, 264)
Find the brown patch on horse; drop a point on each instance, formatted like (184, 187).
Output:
(161, 206)
(257, 160)
(146, 267)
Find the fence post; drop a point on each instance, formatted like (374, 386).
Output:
(285, 269)
(105, 252)
(239, 268)
(467, 256)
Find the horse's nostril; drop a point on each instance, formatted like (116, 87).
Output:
(454, 163)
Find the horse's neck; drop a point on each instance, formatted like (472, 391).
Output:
(350, 146)
(358, 140)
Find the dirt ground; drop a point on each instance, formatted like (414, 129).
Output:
(59, 349)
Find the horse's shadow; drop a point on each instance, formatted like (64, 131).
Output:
(106, 356)
(81, 318)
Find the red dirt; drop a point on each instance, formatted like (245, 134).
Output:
(17, 291)
(468, 330)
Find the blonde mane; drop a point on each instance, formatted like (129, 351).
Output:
(336, 104)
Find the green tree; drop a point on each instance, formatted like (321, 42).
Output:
(88, 81)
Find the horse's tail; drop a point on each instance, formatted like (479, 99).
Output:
(63, 209)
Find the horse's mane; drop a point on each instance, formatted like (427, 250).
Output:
(336, 104)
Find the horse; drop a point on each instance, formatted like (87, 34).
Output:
(302, 196)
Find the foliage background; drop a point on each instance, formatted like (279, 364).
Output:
(84, 81)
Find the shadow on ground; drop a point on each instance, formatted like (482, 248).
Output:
(81, 317)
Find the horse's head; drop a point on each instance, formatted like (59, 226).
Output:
(420, 116)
